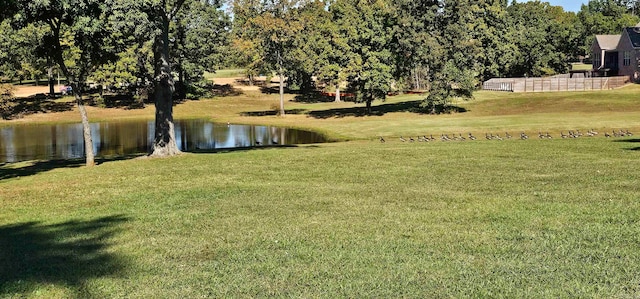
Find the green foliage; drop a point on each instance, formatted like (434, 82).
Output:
(76, 35)
(199, 89)
(202, 35)
(6, 100)
(451, 84)
(122, 71)
(367, 28)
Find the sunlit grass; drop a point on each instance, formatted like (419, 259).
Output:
(581, 66)
(225, 73)
(536, 218)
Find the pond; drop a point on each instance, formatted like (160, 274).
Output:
(64, 141)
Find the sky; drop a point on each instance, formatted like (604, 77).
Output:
(569, 5)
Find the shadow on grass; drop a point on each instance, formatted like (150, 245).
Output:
(68, 254)
(319, 97)
(272, 112)
(122, 101)
(36, 104)
(35, 167)
(632, 140)
(275, 90)
(240, 149)
(409, 106)
(225, 90)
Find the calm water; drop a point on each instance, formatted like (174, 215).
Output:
(33, 142)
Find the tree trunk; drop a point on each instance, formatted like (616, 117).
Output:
(338, 94)
(164, 142)
(86, 128)
(52, 89)
(369, 107)
(281, 93)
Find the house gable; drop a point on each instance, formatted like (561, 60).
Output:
(632, 35)
(606, 42)
(628, 51)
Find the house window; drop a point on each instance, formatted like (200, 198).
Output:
(596, 60)
(627, 58)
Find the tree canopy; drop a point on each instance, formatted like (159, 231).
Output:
(366, 47)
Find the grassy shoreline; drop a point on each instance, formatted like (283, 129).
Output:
(518, 218)
(488, 112)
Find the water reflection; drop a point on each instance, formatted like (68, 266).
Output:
(64, 141)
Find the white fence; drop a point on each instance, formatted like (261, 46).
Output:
(554, 84)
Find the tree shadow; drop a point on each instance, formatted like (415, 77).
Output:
(273, 89)
(410, 106)
(35, 167)
(321, 97)
(380, 110)
(631, 140)
(117, 100)
(226, 90)
(240, 149)
(39, 103)
(66, 254)
(272, 112)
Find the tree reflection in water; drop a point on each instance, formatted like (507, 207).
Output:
(64, 141)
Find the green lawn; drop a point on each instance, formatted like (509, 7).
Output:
(515, 218)
(581, 66)
(225, 73)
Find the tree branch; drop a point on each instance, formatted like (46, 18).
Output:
(175, 9)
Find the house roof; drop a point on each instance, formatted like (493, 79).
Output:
(634, 35)
(608, 42)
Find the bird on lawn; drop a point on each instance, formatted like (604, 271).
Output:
(402, 139)
(563, 135)
(507, 135)
(606, 134)
(381, 140)
(628, 133)
(472, 137)
(615, 134)
(523, 136)
(548, 136)
(258, 142)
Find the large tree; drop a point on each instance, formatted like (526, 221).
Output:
(78, 40)
(334, 57)
(417, 40)
(369, 27)
(201, 44)
(161, 13)
(270, 29)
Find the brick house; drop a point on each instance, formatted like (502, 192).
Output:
(617, 54)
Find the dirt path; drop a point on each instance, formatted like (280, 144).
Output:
(236, 82)
(26, 91)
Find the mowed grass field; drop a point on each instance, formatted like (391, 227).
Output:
(514, 218)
